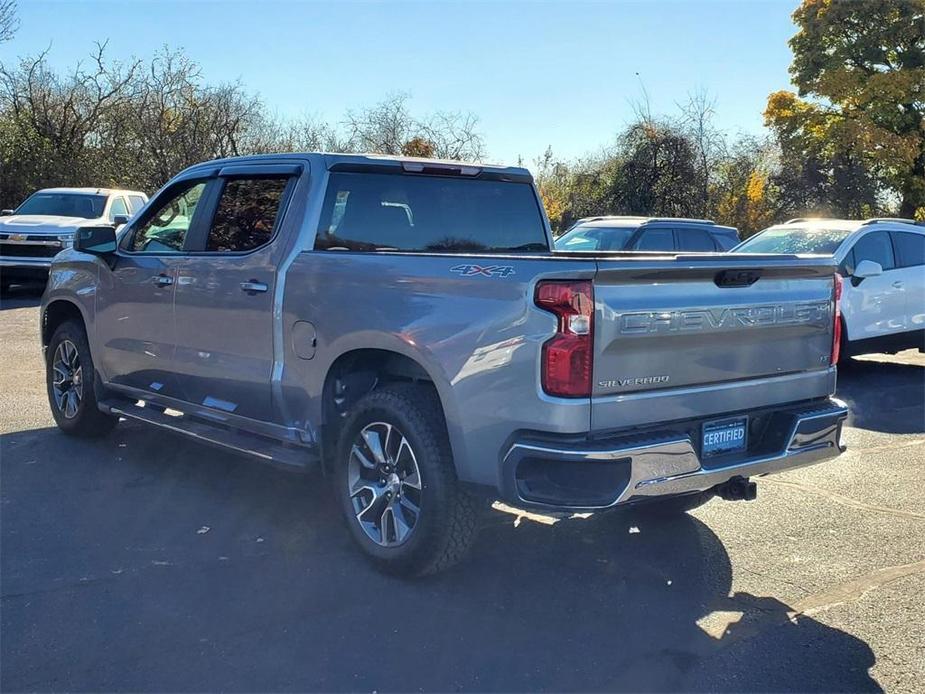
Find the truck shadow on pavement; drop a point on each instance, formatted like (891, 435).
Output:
(886, 396)
(143, 562)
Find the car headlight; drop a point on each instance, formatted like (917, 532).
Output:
(67, 240)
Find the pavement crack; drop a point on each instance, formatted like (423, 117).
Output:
(769, 613)
(846, 500)
(855, 589)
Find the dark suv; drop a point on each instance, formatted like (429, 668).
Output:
(670, 234)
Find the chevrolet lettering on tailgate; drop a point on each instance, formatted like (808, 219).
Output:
(705, 320)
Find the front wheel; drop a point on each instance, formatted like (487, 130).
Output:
(69, 379)
(397, 485)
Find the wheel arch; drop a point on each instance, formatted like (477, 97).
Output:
(57, 312)
(356, 372)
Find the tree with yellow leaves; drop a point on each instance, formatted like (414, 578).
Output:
(859, 68)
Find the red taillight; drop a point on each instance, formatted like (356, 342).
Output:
(836, 328)
(568, 357)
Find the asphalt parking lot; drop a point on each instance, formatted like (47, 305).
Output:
(145, 562)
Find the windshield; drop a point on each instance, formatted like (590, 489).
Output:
(64, 205)
(374, 211)
(794, 240)
(593, 238)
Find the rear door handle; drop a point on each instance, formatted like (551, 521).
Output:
(253, 287)
(163, 280)
(898, 284)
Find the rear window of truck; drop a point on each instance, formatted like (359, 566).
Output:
(407, 212)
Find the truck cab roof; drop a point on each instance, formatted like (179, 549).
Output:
(333, 161)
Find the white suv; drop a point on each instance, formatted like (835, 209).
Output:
(44, 224)
(883, 263)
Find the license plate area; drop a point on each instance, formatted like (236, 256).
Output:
(724, 436)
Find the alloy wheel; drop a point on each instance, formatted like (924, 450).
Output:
(384, 484)
(67, 384)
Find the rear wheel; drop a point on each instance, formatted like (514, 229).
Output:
(69, 379)
(397, 486)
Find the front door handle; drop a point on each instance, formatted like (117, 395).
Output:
(163, 280)
(898, 284)
(253, 287)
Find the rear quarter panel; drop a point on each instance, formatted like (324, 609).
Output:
(477, 336)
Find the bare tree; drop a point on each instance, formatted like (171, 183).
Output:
(138, 123)
(52, 125)
(9, 22)
(709, 142)
(453, 135)
(175, 119)
(388, 127)
(382, 128)
(305, 134)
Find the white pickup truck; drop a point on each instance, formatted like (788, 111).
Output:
(43, 225)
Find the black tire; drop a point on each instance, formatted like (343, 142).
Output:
(844, 353)
(84, 419)
(445, 526)
(673, 505)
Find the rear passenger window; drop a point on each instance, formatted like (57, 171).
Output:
(657, 240)
(910, 249)
(695, 240)
(246, 214)
(117, 207)
(876, 247)
(136, 202)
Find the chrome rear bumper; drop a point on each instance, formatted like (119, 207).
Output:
(628, 470)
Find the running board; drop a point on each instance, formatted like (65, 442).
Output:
(265, 449)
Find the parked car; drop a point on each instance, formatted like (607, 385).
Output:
(40, 227)
(403, 326)
(668, 234)
(883, 301)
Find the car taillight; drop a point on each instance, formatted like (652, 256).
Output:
(568, 357)
(836, 329)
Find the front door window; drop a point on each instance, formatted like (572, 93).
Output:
(164, 230)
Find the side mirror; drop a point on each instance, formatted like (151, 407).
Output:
(4, 213)
(867, 268)
(95, 240)
(120, 220)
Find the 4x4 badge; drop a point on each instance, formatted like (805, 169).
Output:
(483, 270)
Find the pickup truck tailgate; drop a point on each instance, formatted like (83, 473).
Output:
(706, 323)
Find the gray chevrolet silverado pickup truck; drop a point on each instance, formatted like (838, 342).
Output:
(404, 327)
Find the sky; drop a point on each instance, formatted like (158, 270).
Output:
(537, 74)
